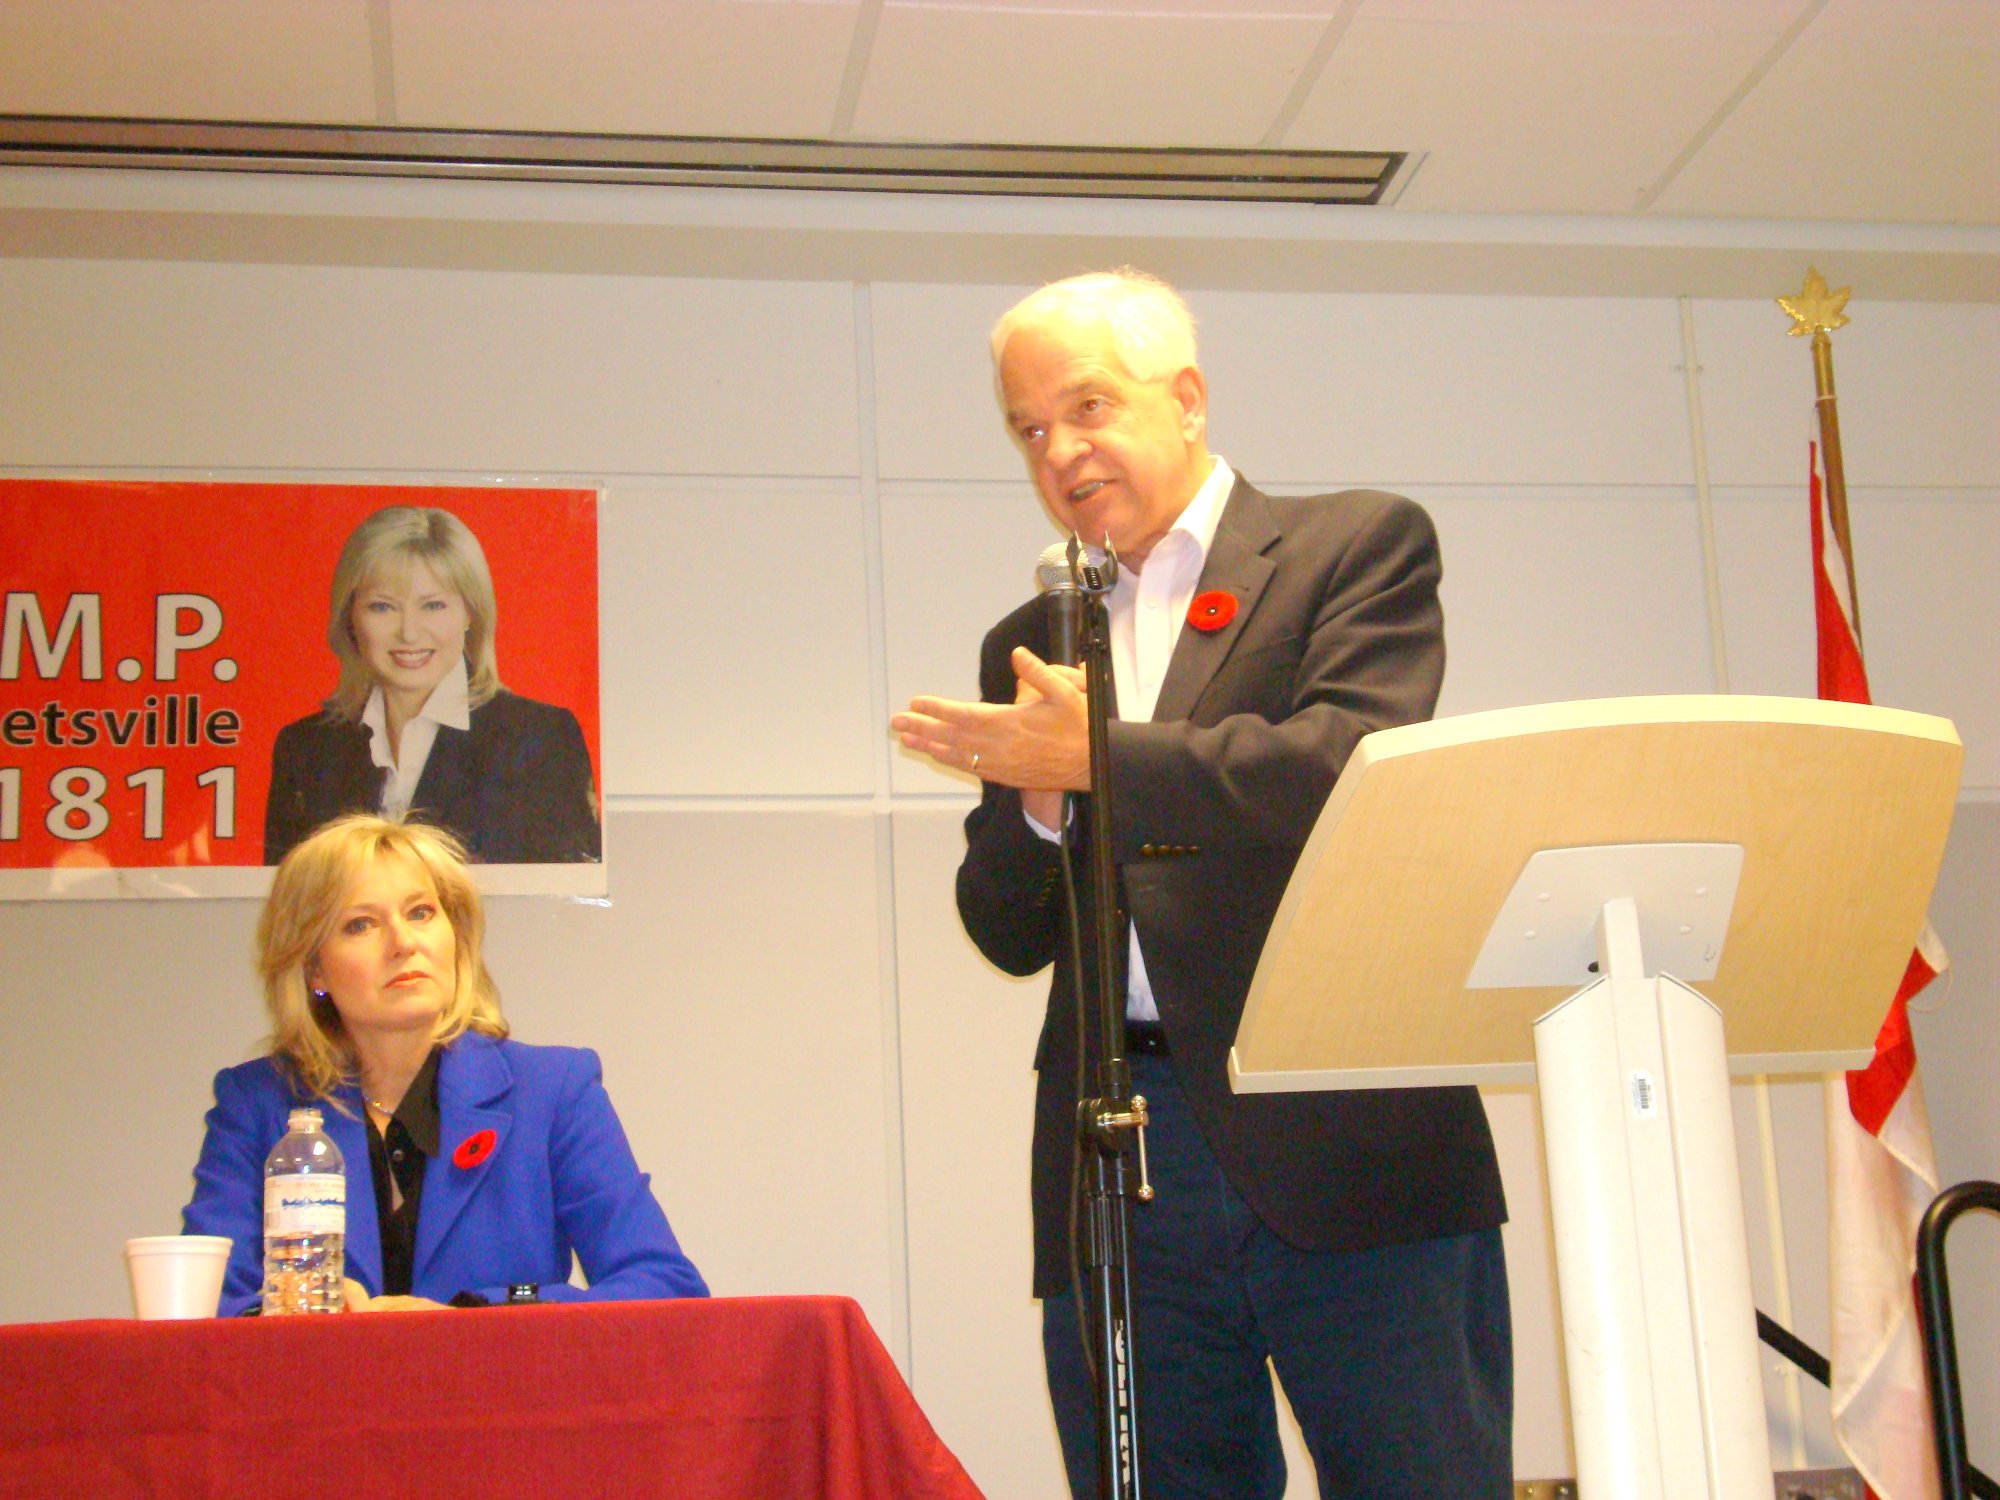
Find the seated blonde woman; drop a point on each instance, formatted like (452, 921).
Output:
(487, 1161)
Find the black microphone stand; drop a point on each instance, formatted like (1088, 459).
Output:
(1109, 1124)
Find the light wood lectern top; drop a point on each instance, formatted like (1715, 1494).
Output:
(1841, 810)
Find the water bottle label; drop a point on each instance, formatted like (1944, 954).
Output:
(314, 1203)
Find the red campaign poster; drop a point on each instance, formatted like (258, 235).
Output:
(182, 696)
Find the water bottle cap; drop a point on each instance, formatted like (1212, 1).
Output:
(304, 1119)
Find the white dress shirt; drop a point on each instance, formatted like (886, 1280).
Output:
(1148, 607)
(450, 704)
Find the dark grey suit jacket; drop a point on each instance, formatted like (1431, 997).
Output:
(1338, 632)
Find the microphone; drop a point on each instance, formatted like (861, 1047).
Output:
(1065, 572)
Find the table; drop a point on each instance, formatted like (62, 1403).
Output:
(738, 1399)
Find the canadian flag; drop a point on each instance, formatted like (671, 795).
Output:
(1881, 1171)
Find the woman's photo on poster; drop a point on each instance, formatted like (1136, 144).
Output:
(419, 724)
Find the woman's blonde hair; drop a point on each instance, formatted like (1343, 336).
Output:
(307, 894)
(389, 542)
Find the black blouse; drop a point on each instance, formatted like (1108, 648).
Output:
(396, 1160)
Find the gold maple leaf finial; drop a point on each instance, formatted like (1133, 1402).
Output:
(1815, 309)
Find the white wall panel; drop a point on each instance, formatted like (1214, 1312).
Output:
(1925, 562)
(113, 1024)
(955, 559)
(936, 416)
(968, 1036)
(155, 365)
(1930, 610)
(1955, 1029)
(1764, 560)
(1504, 390)
(1798, 1136)
(1542, 1444)
(732, 985)
(1445, 390)
(1919, 388)
(1553, 594)
(736, 651)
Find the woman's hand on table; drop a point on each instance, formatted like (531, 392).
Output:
(356, 1298)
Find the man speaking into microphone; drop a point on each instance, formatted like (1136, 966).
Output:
(1351, 1238)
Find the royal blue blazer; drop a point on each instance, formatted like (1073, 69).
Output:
(560, 1178)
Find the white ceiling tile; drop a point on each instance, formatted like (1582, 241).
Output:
(1524, 118)
(1879, 110)
(188, 59)
(1235, 10)
(640, 67)
(1956, 20)
(1080, 78)
(1124, 10)
(1593, 15)
(1882, 111)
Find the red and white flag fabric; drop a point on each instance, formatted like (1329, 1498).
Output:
(1881, 1171)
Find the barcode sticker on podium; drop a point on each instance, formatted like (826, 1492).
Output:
(1644, 1103)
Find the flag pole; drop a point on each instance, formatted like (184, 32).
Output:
(1881, 1166)
(1815, 311)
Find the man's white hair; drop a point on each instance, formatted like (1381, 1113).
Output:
(1152, 332)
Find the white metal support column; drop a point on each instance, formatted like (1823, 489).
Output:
(1658, 1321)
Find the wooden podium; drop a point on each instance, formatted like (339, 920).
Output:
(1588, 895)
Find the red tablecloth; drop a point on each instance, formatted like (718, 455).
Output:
(786, 1397)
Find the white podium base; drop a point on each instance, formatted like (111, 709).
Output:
(1666, 1401)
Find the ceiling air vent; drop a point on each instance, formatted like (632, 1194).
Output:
(1356, 177)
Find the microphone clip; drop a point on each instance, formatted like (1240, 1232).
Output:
(1095, 572)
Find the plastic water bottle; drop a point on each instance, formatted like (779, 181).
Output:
(305, 1219)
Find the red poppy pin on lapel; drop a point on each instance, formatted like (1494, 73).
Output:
(474, 1149)
(1212, 610)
